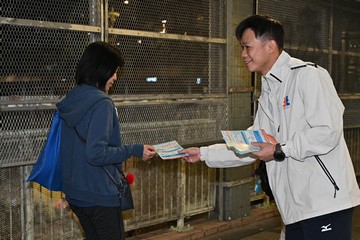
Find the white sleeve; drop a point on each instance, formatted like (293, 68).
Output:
(219, 156)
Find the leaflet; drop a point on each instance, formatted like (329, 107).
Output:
(169, 150)
(240, 141)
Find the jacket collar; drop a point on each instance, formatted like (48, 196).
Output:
(275, 71)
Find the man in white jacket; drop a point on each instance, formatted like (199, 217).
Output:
(309, 167)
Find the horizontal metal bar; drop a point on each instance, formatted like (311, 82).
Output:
(140, 126)
(45, 24)
(146, 223)
(26, 104)
(327, 51)
(352, 127)
(352, 96)
(137, 33)
(236, 182)
(237, 89)
(177, 97)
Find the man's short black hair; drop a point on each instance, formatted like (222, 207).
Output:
(98, 63)
(264, 27)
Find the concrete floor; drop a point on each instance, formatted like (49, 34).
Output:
(262, 224)
(270, 230)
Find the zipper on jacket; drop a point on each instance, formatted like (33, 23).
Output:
(328, 174)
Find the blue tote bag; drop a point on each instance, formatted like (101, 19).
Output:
(47, 169)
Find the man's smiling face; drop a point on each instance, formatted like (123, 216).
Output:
(255, 53)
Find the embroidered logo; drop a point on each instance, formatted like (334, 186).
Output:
(326, 228)
(286, 102)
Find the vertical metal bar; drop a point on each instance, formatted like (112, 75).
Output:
(10, 207)
(203, 171)
(331, 35)
(51, 213)
(29, 207)
(22, 202)
(221, 194)
(149, 175)
(104, 20)
(343, 60)
(209, 50)
(181, 195)
(95, 19)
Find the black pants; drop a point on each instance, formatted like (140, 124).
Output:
(100, 223)
(333, 226)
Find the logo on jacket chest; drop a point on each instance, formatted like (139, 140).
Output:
(286, 102)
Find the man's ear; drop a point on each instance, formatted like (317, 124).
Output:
(271, 46)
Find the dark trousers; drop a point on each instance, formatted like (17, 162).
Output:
(333, 226)
(100, 223)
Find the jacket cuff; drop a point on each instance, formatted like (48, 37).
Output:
(204, 153)
(137, 150)
(285, 149)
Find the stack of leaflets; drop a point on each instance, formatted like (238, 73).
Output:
(169, 150)
(240, 141)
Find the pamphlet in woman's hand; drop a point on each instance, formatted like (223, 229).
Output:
(240, 141)
(169, 150)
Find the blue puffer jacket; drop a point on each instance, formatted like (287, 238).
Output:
(92, 113)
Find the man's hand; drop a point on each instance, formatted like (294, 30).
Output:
(193, 154)
(149, 152)
(266, 151)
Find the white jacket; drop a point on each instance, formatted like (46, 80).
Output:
(300, 107)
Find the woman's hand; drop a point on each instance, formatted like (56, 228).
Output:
(149, 152)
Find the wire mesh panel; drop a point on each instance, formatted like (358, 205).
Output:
(11, 204)
(168, 74)
(200, 191)
(172, 87)
(191, 122)
(19, 206)
(352, 111)
(39, 63)
(187, 17)
(323, 32)
(328, 34)
(155, 192)
(352, 137)
(74, 11)
(158, 191)
(162, 66)
(53, 218)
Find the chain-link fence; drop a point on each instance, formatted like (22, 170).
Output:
(173, 87)
(327, 32)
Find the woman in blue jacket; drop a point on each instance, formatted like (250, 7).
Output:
(91, 141)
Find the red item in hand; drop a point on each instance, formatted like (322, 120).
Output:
(130, 178)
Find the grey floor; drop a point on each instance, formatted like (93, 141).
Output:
(270, 230)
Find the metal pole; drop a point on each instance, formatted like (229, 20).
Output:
(28, 205)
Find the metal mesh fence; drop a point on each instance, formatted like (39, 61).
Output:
(200, 18)
(323, 32)
(163, 66)
(328, 34)
(39, 63)
(160, 187)
(11, 204)
(168, 121)
(173, 87)
(75, 12)
(166, 82)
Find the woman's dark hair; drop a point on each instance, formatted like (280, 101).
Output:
(264, 27)
(98, 63)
